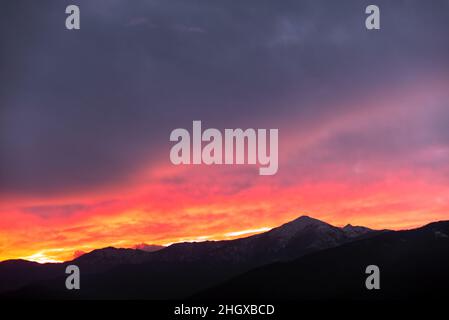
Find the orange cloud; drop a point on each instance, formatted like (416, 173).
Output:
(163, 214)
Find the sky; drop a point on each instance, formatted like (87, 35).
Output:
(86, 115)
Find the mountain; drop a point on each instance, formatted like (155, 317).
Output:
(181, 269)
(355, 231)
(17, 273)
(106, 258)
(289, 241)
(413, 264)
(148, 247)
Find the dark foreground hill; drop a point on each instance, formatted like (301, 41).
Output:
(413, 264)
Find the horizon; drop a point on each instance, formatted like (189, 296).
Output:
(42, 259)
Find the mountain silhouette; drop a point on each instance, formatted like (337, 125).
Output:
(148, 247)
(17, 273)
(179, 270)
(413, 264)
(289, 241)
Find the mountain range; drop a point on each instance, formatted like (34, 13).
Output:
(413, 264)
(304, 258)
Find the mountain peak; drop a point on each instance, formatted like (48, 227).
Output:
(304, 221)
(148, 247)
(293, 228)
(111, 256)
(355, 231)
(305, 217)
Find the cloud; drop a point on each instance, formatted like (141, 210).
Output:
(45, 211)
(137, 21)
(94, 108)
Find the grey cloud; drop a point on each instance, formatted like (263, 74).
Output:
(83, 109)
(45, 211)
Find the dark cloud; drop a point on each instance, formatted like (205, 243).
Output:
(46, 211)
(82, 109)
